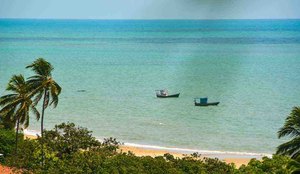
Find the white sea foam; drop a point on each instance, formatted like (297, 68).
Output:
(203, 152)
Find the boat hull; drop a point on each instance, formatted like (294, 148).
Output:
(168, 96)
(207, 104)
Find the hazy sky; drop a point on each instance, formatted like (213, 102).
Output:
(150, 9)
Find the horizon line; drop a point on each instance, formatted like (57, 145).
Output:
(151, 19)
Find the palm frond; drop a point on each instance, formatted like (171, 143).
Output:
(16, 106)
(55, 90)
(290, 148)
(34, 82)
(35, 112)
(35, 77)
(9, 116)
(38, 97)
(292, 124)
(7, 96)
(35, 91)
(58, 88)
(7, 99)
(21, 108)
(16, 83)
(11, 105)
(291, 131)
(41, 67)
(9, 120)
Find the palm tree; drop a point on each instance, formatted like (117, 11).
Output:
(45, 86)
(16, 106)
(291, 128)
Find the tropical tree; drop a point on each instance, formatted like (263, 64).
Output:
(17, 105)
(291, 129)
(45, 86)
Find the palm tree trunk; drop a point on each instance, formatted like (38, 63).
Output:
(42, 125)
(17, 132)
(43, 111)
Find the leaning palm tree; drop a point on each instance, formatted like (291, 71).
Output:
(44, 86)
(16, 106)
(291, 128)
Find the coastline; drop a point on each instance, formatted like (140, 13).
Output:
(238, 158)
(139, 151)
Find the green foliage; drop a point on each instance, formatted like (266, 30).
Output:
(41, 67)
(66, 138)
(17, 105)
(189, 165)
(215, 166)
(110, 144)
(291, 129)
(7, 123)
(28, 158)
(67, 149)
(72, 150)
(294, 165)
(277, 164)
(7, 141)
(43, 83)
(44, 86)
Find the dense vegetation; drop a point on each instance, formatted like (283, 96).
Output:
(7, 141)
(71, 149)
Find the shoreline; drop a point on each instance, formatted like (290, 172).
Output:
(238, 158)
(205, 153)
(139, 151)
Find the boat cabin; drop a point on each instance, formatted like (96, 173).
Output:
(162, 92)
(203, 102)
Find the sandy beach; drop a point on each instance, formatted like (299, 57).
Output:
(138, 151)
(238, 160)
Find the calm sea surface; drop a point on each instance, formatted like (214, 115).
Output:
(251, 66)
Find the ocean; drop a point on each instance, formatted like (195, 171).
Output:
(252, 67)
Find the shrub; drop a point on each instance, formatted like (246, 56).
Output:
(7, 141)
(278, 164)
(66, 138)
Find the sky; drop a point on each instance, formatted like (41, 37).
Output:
(151, 9)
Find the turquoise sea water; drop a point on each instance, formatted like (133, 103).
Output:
(251, 66)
